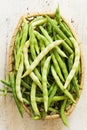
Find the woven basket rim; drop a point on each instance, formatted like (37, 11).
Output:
(10, 57)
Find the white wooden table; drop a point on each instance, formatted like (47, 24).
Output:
(75, 11)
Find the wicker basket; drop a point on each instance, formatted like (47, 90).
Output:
(10, 61)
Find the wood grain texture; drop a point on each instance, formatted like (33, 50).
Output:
(10, 12)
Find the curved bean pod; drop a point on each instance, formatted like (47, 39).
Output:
(18, 103)
(33, 99)
(18, 80)
(55, 98)
(52, 94)
(61, 64)
(61, 52)
(38, 22)
(44, 82)
(32, 43)
(65, 45)
(76, 62)
(36, 71)
(62, 113)
(57, 68)
(58, 17)
(23, 40)
(74, 79)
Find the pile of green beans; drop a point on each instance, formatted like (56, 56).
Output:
(47, 69)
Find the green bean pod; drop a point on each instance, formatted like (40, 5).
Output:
(74, 80)
(57, 68)
(33, 100)
(58, 17)
(18, 103)
(23, 40)
(61, 64)
(32, 42)
(44, 82)
(18, 80)
(62, 113)
(76, 62)
(52, 94)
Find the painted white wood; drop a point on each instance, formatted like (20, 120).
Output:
(10, 11)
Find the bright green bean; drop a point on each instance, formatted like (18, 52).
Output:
(67, 28)
(23, 40)
(65, 31)
(42, 47)
(24, 32)
(53, 110)
(52, 94)
(55, 98)
(37, 47)
(70, 61)
(36, 71)
(58, 98)
(61, 52)
(65, 45)
(74, 80)
(45, 33)
(6, 83)
(44, 82)
(56, 65)
(58, 17)
(49, 28)
(39, 22)
(32, 42)
(33, 99)
(18, 80)
(18, 103)
(62, 113)
(34, 19)
(61, 64)
(18, 40)
(50, 89)
(63, 28)
(76, 85)
(25, 85)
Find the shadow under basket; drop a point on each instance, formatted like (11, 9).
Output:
(11, 59)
